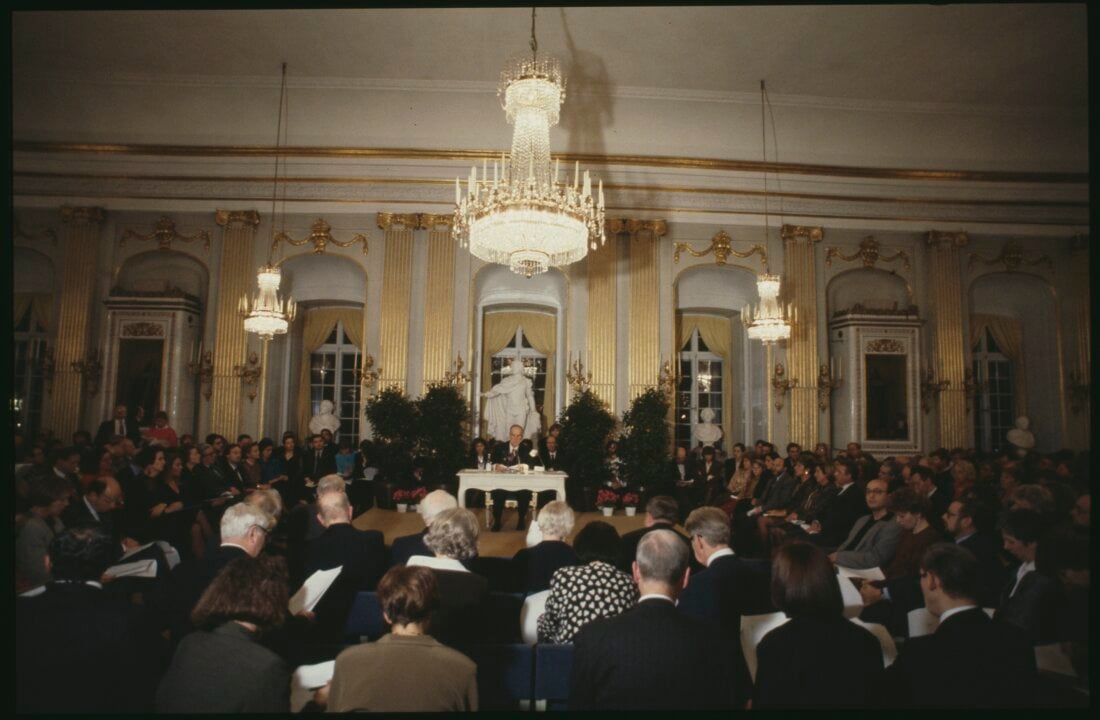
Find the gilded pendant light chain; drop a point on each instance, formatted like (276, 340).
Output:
(534, 42)
(764, 147)
(278, 154)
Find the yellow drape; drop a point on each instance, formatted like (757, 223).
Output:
(1008, 333)
(540, 329)
(717, 333)
(317, 324)
(40, 304)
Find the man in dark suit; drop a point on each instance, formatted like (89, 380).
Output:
(779, 491)
(79, 649)
(652, 657)
(318, 461)
(921, 480)
(970, 660)
(704, 474)
(505, 455)
(1030, 600)
(550, 459)
(970, 523)
(661, 513)
(849, 505)
(679, 472)
(403, 548)
(728, 588)
(231, 471)
(118, 425)
(96, 506)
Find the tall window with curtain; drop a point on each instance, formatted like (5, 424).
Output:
(700, 387)
(29, 346)
(532, 361)
(333, 376)
(994, 411)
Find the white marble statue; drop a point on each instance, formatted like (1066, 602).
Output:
(324, 420)
(1020, 437)
(706, 431)
(511, 402)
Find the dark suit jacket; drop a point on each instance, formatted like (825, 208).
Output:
(316, 469)
(1034, 608)
(555, 463)
(970, 661)
(700, 472)
(991, 574)
(107, 429)
(651, 657)
(459, 621)
(500, 453)
(814, 663)
(361, 554)
(206, 675)
(779, 492)
(79, 649)
(533, 567)
(839, 516)
(77, 514)
(628, 546)
(406, 546)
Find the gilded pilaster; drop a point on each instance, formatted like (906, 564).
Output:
(440, 297)
(80, 232)
(644, 325)
(948, 340)
(602, 310)
(1080, 374)
(800, 281)
(396, 297)
(235, 279)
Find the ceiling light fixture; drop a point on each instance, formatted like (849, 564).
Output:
(525, 217)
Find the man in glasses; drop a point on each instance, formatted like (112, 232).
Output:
(875, 537)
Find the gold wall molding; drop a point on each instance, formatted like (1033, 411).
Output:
(47, 234)
(584, 159)
(431, 221)
(1010, 258)
(246, 217)
(601, 338)
(812, 234)
(722, 247)
(800, 283)
(396, 299)
(634, 226)
(885, 345)
(869, 254)
(320, 235)
(78, 254)
(644, 313)
(439, 306)
(948, 342)
(388, 221)
(235, 279)
(142, 330)
(165, 234)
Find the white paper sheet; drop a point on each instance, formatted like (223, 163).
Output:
(868, 574)
(141, 569)
(171, 555)
(313, 590)
(305, 680)
(853, 601)
(135, 551)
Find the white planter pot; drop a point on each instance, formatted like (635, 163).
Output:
(402, 507)
(630, 511)
(411, 507)
(607, 511)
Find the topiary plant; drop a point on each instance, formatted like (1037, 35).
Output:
(394, 419)
(440, 441)
(586, 425)
(644, 446)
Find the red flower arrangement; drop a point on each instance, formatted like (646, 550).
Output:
(411, 497)
(631, 499)
(606, 498)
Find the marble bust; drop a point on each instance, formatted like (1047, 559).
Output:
(324, 420)
(1020, 437)
(706, 431)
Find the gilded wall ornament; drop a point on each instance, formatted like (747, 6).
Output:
(142, 329)
(320, 235)
(165, 234)
(1011, 258)
(807, 232)
(869, 254)
(398, 221)
(885, 345)
(250, 373)
(615, 226)
(722, 247)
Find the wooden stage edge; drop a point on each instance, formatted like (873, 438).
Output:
(490, 544)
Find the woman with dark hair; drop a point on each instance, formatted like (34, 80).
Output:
(47, 495)
(253, 469)
(818, 658)
(288, 470)
(246, 599)
(373, 677)
(479, 455)
(160, 432)
(594, 589)
(169, 518)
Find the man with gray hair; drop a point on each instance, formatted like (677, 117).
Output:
(331, 483)
(652, 657)
(533, 567)
(406, 546)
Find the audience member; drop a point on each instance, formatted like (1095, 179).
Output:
(532, 568)
(661, 513)
(1030, 599)
(509, 453)
(835, 521)
(48, 497)
(159, 432)
(406, 546)
(874, 538)
(970, 522)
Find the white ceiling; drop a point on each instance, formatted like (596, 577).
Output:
(993, 54)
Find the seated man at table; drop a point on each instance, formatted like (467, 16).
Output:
(505, 455)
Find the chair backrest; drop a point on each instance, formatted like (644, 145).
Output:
(753, 630)
(502, 617)
(533, 607)
(365, 618)
(505, 675)
(889, 647)
(553, 664)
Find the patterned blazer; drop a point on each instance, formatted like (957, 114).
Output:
(581, 594)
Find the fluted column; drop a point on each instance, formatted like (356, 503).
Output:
(236, 278)
(439, 315)
(79, 244)
(602, 310)
(948, 340)
(1080, 372)
(396, 298)
(800, 283)
(644, 326)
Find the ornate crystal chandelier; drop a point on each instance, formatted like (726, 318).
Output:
(266, 314)
(526, 217)
(766, 322)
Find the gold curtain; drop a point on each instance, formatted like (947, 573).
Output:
(540, 329)
(40, 304)
(1008, 333)
(717, 333)
(317, 325)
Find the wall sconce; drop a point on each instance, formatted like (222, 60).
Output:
(250, 374)
(91, 369)
(456, 377)
(368, 377)
(782, 384)
(45, 366)
(971, 387)
(577, 378)
(1078, 390)
(929, 388)
(667, 380)
(827, 381)
(204, 369)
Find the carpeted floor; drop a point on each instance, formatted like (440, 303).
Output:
(494, 544)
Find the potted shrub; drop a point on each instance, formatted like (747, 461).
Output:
(606, 501)
(401, 499)
(630, 503)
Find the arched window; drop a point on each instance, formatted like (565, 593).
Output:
(995, 402)
(333, 376)
(700, 387)
(534, 364)
(29, 341)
